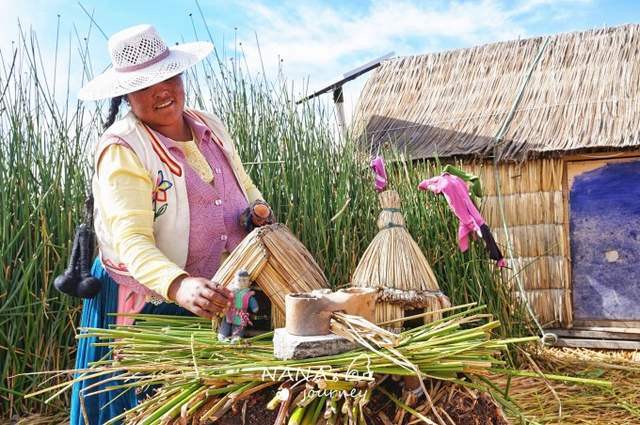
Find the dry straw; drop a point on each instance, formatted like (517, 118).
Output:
(394, 263)
(453, 103)
(566, 403)
(278, 263)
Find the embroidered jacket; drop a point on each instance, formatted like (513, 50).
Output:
(173, 227)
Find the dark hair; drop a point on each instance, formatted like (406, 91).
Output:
(114, 107)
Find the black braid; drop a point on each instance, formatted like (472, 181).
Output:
(114, 107)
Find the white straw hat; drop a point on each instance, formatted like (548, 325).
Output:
(140, 59)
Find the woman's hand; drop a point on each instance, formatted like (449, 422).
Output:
(258, 214)
(261, 213)
(200, 296)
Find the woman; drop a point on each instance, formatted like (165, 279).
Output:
(169, 190)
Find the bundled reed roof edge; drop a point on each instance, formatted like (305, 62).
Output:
(583, 96)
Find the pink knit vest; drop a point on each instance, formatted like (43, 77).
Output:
(214, 212)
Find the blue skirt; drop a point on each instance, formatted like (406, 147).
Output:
(100, 408)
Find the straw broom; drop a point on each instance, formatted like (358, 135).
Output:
(394, 263)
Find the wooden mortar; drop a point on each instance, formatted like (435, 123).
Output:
(309, 313)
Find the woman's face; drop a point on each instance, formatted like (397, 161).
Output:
(160, 105)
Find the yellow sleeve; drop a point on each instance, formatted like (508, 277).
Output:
(126, 207)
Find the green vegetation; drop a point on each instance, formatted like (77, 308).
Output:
(43, 175)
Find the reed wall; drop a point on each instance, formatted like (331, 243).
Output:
(534, 212)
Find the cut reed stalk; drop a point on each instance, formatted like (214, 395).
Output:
(155, 350)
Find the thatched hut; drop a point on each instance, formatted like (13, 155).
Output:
(278, 264)
(568, 162)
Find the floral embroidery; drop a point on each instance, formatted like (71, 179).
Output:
(160, 195)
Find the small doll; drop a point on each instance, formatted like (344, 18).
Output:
(236, 317)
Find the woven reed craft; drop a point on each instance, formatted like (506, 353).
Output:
(278, 263)
(394, 263)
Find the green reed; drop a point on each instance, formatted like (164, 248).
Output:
(43, 173)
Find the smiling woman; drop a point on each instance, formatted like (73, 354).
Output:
(161, 106)
(169, 191)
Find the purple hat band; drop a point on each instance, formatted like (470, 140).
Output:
(143, 65)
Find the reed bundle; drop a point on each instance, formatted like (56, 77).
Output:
(277, 262)
(543, 175)
(535, 240)
(202, 378)
(526, 208)
(394, 263)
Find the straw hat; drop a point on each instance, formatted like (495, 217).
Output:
(140, 59)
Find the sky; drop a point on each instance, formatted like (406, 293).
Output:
(312, 42)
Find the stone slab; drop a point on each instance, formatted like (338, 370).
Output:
(287, 346)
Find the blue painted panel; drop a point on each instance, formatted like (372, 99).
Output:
(605, 242)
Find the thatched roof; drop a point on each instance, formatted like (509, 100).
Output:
(583, 95)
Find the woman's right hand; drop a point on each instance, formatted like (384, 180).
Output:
(200, 296)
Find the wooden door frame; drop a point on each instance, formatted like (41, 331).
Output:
(586, 324)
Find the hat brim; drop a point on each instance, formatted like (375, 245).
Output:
(114, 83)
